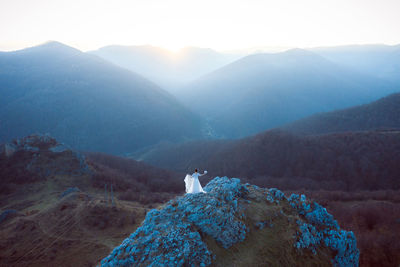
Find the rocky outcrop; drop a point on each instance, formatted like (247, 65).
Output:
(233, 220)
(42, 156)
(37, 142)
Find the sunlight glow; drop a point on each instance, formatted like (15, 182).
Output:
(219, 24)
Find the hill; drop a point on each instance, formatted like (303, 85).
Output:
(54, 210)
(263, 91)
(343, 161)
(237, 225)
(86, 102)
(354, 175)
(168, 69)
(53, 207)
(378, 115)
(377, 60)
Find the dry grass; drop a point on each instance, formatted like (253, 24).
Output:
(269, 246)
(77, 230)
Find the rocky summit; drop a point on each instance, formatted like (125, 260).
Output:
(236, 224)
(39, 156)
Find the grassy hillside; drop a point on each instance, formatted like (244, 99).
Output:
(53, 207)
(372, 216)
(343, 161)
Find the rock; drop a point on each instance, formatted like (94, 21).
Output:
(200, 229)
(342, 242)
(34, 143)
(46, 157)
(59, 148)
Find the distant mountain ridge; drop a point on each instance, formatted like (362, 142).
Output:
(263, 91)
(378, 115)
(56, 89)
(382, 61)
(168, 69)
(86, 102)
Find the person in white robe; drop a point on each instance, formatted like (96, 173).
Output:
(192, 183)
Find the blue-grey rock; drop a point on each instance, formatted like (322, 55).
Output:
(175, 235)
(59, 148)
(172, 236)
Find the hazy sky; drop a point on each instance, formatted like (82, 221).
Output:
(218, 24)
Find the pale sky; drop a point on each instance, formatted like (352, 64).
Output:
(217, 24)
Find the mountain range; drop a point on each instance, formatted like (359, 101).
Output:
(93, 104)
(378, 60)
(86, 102)
(263, 91)
(168, 69)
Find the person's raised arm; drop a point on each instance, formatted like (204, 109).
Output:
(205, 172)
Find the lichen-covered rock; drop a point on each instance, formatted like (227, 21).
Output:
(275, 195)
(179, 233)
(319, 216)
(299, 203)
(308, 237)
(342, 242)
(59, 148)
(345, 245)
(172, 236)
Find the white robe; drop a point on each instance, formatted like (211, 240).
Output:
(192, 183)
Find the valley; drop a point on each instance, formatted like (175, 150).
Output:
(93, 141)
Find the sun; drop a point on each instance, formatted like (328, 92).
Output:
(173, 48)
